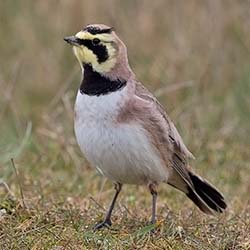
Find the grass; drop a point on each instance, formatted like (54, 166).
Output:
(198, 64)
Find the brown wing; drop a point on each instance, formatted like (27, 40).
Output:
(148, 111)
(167, 139)
(144, 108)
(173, 134)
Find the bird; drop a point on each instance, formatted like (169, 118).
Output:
(122, 129)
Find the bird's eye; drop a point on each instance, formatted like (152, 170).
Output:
(96, 41)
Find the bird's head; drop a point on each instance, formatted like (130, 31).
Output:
(98, 45)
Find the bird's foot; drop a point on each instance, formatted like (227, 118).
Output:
(153, 223)
(106, 223)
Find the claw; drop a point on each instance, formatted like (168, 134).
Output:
(106, 223)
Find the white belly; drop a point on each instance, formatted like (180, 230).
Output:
(121, 152)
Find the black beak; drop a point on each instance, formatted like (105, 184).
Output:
(71, 40)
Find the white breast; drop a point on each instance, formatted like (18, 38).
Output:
(121, 152)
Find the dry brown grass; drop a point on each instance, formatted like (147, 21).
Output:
(194, 54)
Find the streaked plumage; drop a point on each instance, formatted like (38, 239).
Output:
(123, 130)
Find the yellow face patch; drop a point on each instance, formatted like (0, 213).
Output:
(86, 56)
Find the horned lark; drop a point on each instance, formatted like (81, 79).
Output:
(123, 130)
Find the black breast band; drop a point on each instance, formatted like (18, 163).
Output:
(95, 84)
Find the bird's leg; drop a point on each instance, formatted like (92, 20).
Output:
(107, 221)
(153, 190)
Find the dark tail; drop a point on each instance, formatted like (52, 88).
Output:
(205, 196)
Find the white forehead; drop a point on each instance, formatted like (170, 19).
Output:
(105, 37)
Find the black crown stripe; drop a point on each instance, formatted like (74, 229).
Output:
(95, 30)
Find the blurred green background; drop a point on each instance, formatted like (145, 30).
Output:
(194, 55)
